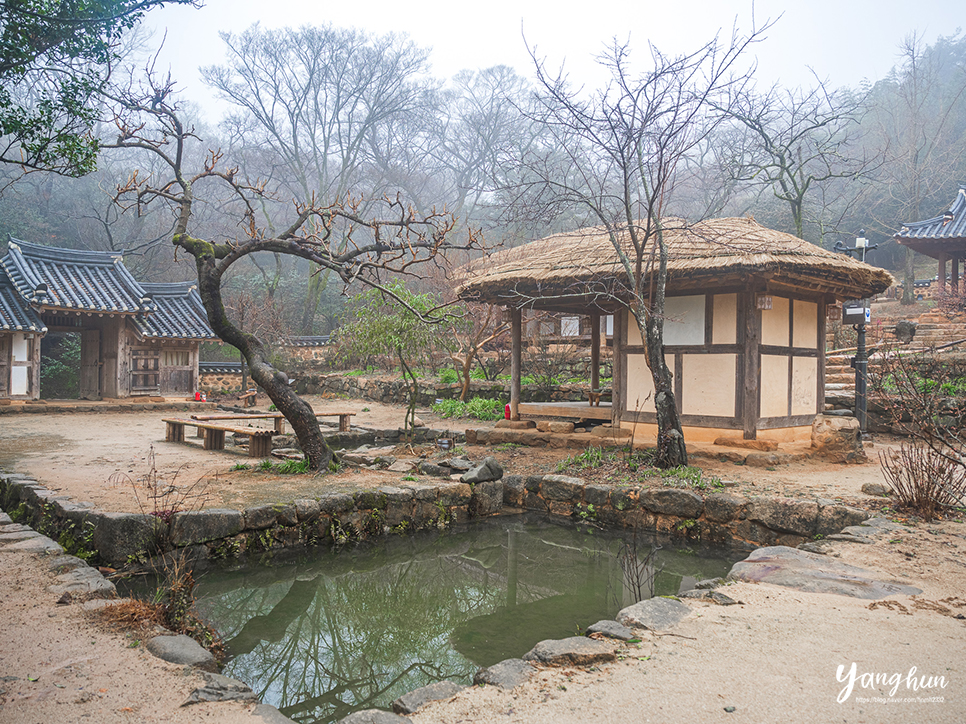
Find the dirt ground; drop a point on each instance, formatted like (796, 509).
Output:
(774, 657)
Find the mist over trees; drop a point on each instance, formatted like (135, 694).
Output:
(322, 115)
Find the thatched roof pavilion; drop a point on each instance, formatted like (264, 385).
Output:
(744, 320)
(560, 270)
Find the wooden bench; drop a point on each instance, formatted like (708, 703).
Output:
(259, 441)
(249, 398)
(278, 417)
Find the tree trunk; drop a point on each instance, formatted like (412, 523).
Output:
(275, 383)
(671, 450)
(909, 278)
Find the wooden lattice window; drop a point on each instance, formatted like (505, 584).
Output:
(145, 371)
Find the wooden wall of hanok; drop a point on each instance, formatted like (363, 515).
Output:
(20, 365)
(736, 367)
(109, 347)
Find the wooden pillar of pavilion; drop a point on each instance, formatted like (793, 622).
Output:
(955, 274)
(516, 337)
(594, 351)
(942, 275)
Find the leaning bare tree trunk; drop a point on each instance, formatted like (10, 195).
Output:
(275, 383)
(671, 450)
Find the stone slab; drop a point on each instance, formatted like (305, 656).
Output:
(374, 716)
(220, 688)
(654, 614)
(410, 703)
(573, 651)
(804, 571)
(182, 650)
(507, 674)
(611, 629)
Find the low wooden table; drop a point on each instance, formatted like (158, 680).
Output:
(259, 441)
(278, 417)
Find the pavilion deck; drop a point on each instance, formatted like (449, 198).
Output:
(567, 409)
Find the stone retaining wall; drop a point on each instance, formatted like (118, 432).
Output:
(718, 519)
(129, 538)
(336, 518)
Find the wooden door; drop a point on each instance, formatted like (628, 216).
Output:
(145, 372)
(90, 371)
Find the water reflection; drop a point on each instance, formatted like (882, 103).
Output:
(324, 633)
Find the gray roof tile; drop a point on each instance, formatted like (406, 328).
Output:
(88, 281)
(177, 313)
(951, 225)
(15, 315)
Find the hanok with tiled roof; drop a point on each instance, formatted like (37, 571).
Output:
(942, 237)
(136, 339)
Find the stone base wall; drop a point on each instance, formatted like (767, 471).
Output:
(218, 381)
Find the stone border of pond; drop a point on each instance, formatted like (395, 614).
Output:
(337, 518)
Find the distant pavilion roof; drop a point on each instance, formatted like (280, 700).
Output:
(68, 279)
(15, 316)
(940, 236)
(176, 313)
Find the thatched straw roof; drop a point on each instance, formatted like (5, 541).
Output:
(581, 268)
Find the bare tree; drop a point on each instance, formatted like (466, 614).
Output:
(615, 157)
(334, 236)
(800, 140)
(310, 102)
(918, 117)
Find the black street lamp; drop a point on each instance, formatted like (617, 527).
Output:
(861, 360)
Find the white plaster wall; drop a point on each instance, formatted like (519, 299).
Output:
(725, 319)
(640, 384)
(805, 331)
(709, 384)
(774, 385)
(684, 320)
(804, 385)
(774, 323)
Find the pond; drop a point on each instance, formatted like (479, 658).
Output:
(325, 632)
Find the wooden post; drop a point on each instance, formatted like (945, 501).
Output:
(594, 352)
(619, 358)
(751, 369)
(259, 445)
(942, 276)
(214, 439)
(955, 274)
(516, 336)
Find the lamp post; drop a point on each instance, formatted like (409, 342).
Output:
(861, 360)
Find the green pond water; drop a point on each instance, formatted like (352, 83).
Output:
(323, 632)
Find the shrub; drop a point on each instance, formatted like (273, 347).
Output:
(923, 480)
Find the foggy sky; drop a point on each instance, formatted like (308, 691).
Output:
(844, 41)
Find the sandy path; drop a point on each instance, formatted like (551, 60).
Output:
(774, 658)
(83, 672)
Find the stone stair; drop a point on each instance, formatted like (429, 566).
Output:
(839, 380)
